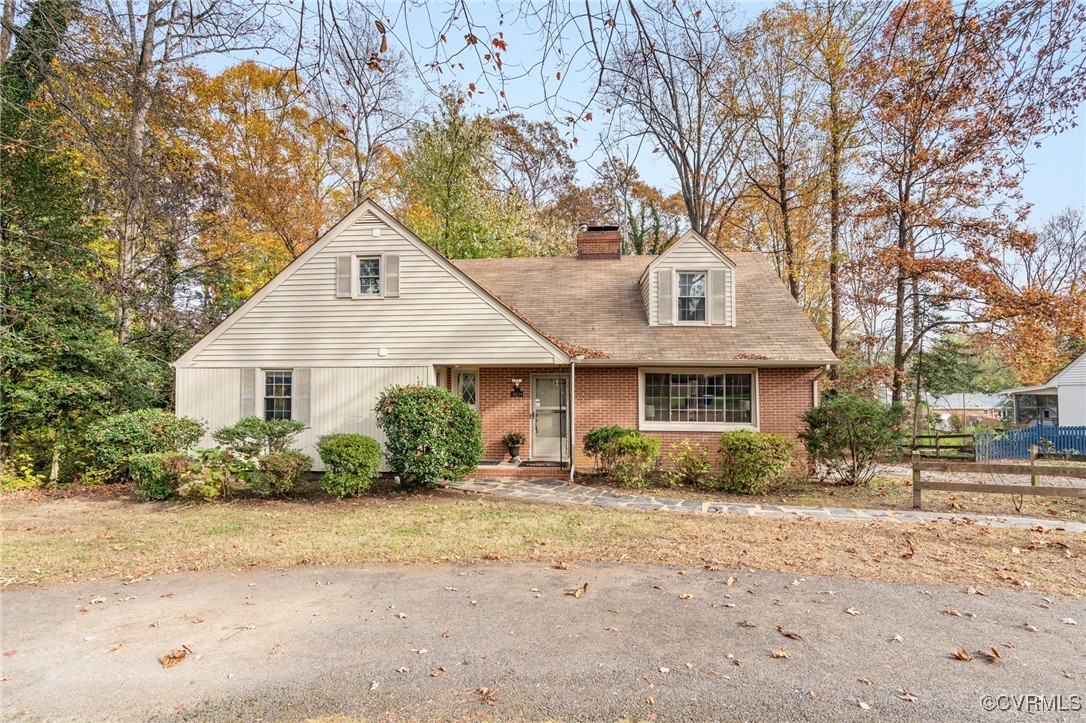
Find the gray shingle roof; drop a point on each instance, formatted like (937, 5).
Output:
(597, 306)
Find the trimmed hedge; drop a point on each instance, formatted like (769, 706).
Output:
(353, 462)
(115, 440)
(751, 461)
(623, 455)
(431, 434)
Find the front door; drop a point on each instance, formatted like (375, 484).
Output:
(550, 425)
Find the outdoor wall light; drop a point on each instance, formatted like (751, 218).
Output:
(516, 389)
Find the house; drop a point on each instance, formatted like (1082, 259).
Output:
(681, 345)
(970, 408)
(1061, 401)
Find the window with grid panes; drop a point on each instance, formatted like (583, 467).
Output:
(692, 287)
(369, 277)
(467, 386)
(277, 394)
(693, 397)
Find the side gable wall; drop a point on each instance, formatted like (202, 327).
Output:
(438, 318)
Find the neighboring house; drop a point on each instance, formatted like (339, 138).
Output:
(681, 345)
(1061, 401)
(971, 408)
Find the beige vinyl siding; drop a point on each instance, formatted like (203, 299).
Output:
(341, 399)
(437, 316)
(689, 254)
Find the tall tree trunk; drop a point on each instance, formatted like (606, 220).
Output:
(834, 170)
(900, 297)
(6, 27)
(131, 224)
(786, 225)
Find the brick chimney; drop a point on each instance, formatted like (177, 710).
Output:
(599, 243)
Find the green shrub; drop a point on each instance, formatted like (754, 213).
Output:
(279, 473)
(158, 474)
(116, 439)
(431, 433)
(622, 455)
(216, 473)
(353, 462)
(257, 437)
(17, 473)
(687, 464)
(848, 435)
(751, 461)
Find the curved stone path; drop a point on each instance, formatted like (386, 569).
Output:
(557, 490)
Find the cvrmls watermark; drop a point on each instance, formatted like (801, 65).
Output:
(1032, 703)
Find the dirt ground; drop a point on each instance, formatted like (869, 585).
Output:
(104, 533)
(499, 641)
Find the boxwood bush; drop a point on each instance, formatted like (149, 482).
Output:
(622, 455)
(115, 440)
(353, 462)
(431, 434)
(751, 461)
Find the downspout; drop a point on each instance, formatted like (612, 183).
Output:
(816, 398)
(572, 406)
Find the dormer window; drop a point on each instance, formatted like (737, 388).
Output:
(369, 276)
(692, 292)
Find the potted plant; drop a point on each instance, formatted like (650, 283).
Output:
(512, 441)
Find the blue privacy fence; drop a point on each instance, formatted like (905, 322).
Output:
(1015, 443)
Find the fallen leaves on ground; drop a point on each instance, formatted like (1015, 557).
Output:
(904, 694)
(992, 655)
(748, 624)
(489, 695)
(686, 596)
(173, 658)
(789, 633)
(436, 672)
(852, 611)
(782, 654)
(578, 591)
(962, 654)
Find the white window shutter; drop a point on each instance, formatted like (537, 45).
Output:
(392, 276)
(663, 296)
(299, 401)
(718, 290)
(343, 277)
(248, 393)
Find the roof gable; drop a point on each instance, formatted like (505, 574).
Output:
(1073, 373)
(689, 238)
(326, 312)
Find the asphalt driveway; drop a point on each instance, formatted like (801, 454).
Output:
(501, 641)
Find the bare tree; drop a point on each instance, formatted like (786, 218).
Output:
(674, 72)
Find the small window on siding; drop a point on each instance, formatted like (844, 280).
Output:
(369, 276)
(467, 386)
(278, 391)
(692, 288)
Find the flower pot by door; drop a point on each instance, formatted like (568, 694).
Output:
(514, 453)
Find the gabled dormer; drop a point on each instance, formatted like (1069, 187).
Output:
(690, 284)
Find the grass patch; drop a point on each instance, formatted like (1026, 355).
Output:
(50, 539)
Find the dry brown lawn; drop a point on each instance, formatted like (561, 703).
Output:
(105, 532)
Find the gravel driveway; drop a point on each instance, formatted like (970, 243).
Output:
(502, 641)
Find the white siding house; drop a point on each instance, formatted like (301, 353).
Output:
(1061, 400)
(331, 345)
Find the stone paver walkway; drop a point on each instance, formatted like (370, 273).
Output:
(557, 490)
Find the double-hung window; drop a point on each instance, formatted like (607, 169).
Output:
(692, 292)
(369, 276)
(698, 400)
(467, 386)
(278, 391)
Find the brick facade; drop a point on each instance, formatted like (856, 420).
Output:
(609, 395)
